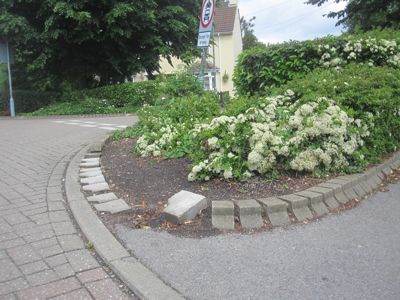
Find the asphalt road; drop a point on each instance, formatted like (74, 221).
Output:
(354, 255)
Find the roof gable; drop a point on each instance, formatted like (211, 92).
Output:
(224, 19)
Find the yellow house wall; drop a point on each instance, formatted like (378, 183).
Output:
(224, 61)
(227, 49)
(167, 68)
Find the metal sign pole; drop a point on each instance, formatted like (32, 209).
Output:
(12, 108)
(214, 80)
(202, 66)
(205, 31)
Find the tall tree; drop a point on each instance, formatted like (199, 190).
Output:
(75, 40)
(248, 36)
(366, 14)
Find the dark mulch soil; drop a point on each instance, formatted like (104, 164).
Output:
(147, 183)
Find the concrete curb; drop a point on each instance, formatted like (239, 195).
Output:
(143, 282)
(320, 199)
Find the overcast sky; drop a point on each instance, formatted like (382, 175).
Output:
(283, 20)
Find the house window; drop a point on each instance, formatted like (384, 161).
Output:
(209, 80)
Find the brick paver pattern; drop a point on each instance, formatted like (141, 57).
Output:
(42, 255)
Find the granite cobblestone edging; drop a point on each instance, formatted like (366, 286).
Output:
(312, 202)
(142, 281)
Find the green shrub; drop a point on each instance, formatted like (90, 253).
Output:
(260, 69)
(165, 129)
(119, 95)
(28, 101)
(86, 106)
(142, 92)
(362, 91)
(329, 121)
(278, 134)
(179, 85)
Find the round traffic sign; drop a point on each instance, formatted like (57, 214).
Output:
(207, 13)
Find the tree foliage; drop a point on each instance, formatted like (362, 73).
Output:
(74, 40)
(248, 36)
(366, 14)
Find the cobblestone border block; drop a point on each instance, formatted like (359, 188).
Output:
(113, 206)
(276, 211)
(143, 282)
(223, 215)
(249, 214)
(102, 198)
(328, 195)
(95, 182)
(298, 206)
(316, 202)
(96, 188)
(184, 206)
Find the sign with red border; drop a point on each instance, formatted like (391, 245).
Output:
(207, 15)
(206, 23)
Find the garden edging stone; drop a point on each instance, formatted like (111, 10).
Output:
(249, 214)
(143, 282)
(321, 198)
(223, 215)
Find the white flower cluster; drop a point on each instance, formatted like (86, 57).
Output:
(153, 144)
(264, 139)
(327, 128)
(371, 51)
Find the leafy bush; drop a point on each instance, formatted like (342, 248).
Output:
(279, 134)
(362, 91)
(119, 95)
(126, 97)
(142, 92)
(86, 106)
(166, 129)
(329, 121)
(259, 69)
(28, 101)
(179, 85)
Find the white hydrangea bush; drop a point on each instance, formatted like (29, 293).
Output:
(371, 51)
(276, 135)
(161, 134)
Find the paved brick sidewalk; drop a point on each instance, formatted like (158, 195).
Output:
(42, 255)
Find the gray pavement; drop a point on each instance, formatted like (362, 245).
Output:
(354, 255)
(42, 255)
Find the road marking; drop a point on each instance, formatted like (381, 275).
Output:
(108, 128)
(90, 124)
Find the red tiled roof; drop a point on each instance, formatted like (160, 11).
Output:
(224, 19)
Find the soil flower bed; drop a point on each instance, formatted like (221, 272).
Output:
(147, 183)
